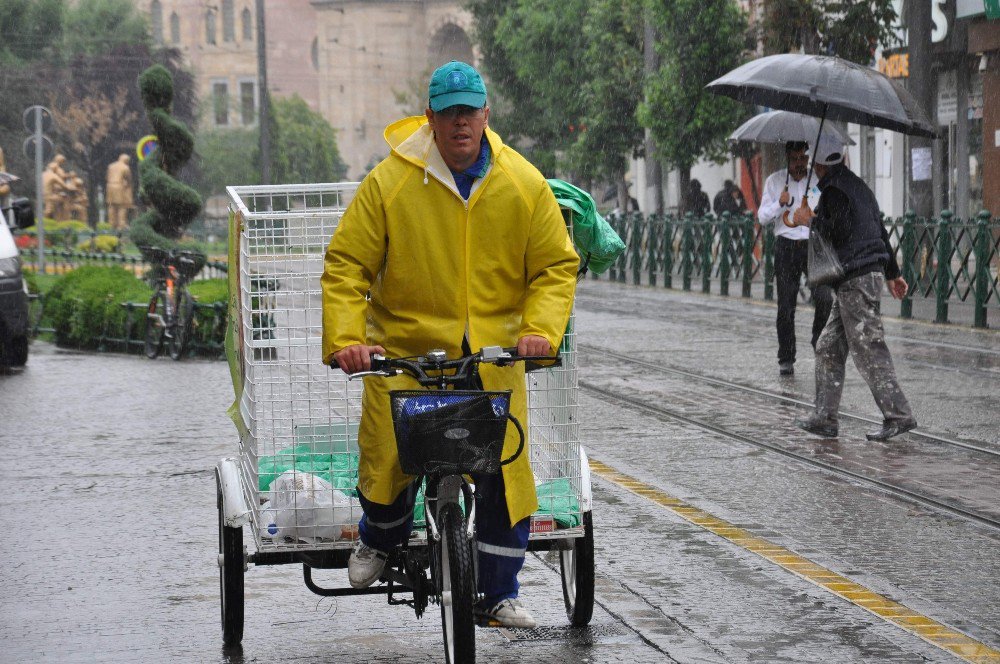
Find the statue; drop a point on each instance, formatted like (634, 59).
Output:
(76, 203)
(119, 193)
(54, 187)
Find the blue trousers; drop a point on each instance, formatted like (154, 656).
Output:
(501, 547)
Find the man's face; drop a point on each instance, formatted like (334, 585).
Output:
(798, 164)
(458, 131)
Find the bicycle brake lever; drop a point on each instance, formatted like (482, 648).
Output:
(386, 373)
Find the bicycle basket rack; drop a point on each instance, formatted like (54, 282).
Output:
(298, 416)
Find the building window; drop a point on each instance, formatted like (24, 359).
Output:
(156, 21)
(220, 103)
(248, 102)
(228, 21)
(175, 28)
(247, 18)
(210, 26)
(314, 53)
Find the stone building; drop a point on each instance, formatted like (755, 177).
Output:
(375, 58)
(218, 39)
(360, 63)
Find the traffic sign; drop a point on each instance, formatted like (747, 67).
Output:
(29, 118)
(145, 146)
(48, 149)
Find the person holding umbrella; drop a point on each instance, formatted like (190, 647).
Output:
(829, 87)
(783, 190)
(848, 216)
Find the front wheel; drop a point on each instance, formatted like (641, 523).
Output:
(231, 562)
(156, 322)
(577, 570)
(181, 332)
(458, 590)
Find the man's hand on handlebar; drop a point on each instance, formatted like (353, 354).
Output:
(533, 345)
(356, 358)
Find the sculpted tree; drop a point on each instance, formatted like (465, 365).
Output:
(174, 205)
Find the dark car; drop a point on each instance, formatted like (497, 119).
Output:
(13, 291)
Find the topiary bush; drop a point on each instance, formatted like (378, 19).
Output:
(174, 204)
(86, 304)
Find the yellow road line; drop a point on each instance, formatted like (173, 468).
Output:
(929, 630)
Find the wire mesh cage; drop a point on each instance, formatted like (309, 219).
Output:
(299, 419)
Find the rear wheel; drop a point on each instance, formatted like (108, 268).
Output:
(577, 567)
(14, 353)
(156, 321)
(231, 562)
(457, 586)
(181, 333)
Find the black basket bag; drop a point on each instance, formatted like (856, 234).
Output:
(449, 431)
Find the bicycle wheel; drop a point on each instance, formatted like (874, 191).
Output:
(156, 320)
(577, 570)
(454, 571)
(230, 575)
(181, 332)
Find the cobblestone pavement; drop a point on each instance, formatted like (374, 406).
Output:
(111, 556)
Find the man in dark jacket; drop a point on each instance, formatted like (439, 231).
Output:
(696, 201)
(729, 199)
(848, 216)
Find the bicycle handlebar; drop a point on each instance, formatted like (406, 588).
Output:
(437, 362)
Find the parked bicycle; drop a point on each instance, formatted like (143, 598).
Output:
(170, 314)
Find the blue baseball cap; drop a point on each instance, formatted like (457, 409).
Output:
(456, 84)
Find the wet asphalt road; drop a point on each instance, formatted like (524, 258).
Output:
(111, 551)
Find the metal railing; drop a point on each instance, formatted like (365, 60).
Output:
(62, 261)
(207, 339)
(944, 260)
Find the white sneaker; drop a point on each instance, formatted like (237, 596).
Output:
(365, 565)
(510, 613)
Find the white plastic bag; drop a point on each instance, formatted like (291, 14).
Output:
(307, 508)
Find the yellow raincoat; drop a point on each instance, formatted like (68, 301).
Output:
(499, 266)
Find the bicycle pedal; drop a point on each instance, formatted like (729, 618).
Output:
(487, 621)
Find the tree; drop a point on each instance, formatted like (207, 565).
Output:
(698, 41)
(98, 27)
(174, 204)
(87, 80)
(613, 33)
(304, 149)
(851, 29)
(30, 30)
(533, 57)
(227, 157)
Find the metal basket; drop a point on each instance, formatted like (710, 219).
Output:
(294, 412)
(453, 431)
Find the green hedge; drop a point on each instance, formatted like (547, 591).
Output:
(86, 305)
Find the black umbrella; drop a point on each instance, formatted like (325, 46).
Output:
(825, 87)
(782, 127)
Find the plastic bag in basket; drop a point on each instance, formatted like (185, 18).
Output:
(307, 508)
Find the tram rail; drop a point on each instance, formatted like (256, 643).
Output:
(649, 403)
(656, 366)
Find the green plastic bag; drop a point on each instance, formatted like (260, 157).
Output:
(597, 243)
(557, 498)
(340, 470)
